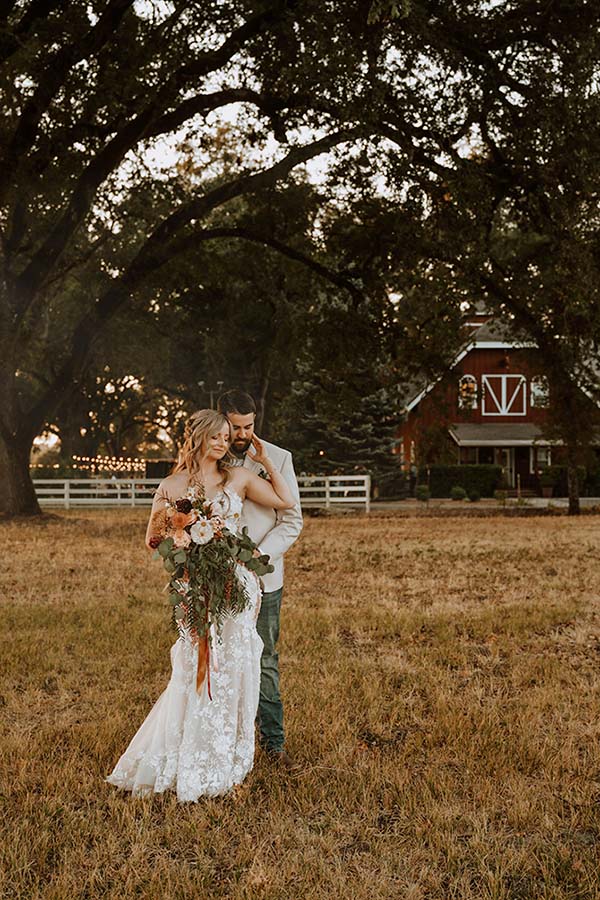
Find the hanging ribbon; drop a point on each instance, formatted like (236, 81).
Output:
(203, 671)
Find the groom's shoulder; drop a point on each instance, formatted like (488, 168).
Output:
(277, 454)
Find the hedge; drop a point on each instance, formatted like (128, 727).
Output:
(483, 479)
(561, 484)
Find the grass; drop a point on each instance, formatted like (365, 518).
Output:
(441, 680)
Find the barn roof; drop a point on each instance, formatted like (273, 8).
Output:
(490, 335)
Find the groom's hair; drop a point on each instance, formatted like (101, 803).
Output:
(236, 402)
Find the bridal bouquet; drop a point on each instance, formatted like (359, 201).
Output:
(197, 541)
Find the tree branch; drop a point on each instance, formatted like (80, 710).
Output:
(337, 278)
(58, 67)
(112, 154)
(162, 245)
(204, 103)
(13, 40)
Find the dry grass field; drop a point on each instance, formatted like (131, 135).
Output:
(441, 679)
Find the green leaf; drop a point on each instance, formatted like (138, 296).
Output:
(165, 547)
(180, 556)
(245, 555)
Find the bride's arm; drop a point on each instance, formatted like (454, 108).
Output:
(273, 493)
(157, 504)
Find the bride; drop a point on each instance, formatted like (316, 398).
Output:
(189, 742)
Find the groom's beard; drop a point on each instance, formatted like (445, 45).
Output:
(239, 448)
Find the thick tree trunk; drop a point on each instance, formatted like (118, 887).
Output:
(17, 496)
(573, 489)
(573, 457)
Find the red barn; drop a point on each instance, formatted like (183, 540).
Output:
(488, 409)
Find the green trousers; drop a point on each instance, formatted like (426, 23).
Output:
(270, 708)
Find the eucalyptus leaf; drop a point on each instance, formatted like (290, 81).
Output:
(165, 547)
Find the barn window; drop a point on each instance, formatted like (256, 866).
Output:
(539, 458)
(469, 456)
(467, 392)
(538, 391)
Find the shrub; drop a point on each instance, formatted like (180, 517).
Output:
(422, 493)
(458, 492)
(501, 496)
(484, 479)
(474, 496)
(558, 474)
(591, 488)
(548, 477)
(391, 486)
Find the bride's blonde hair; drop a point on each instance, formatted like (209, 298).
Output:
(199, 427)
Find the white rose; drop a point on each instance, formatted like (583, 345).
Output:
(202, 532)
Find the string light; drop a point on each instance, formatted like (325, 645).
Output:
(110, 463)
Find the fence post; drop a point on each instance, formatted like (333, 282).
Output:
(368, 490)
(133, 492)
(66, 494)
(327, 494)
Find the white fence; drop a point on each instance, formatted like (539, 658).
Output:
(317, 490)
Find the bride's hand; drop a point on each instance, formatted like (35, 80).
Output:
(260, 455)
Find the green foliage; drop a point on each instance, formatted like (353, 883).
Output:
(96, 233)
(457, 492)
(474, 496)
(483, 479)
(242, 547)
(556, 476)
(422, 493)
(494, 181)
(592, 482)
(380, 10)
(548, 476)
(343, 410)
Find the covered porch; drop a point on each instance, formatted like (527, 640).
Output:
(518, 448)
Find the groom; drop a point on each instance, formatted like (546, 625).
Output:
(274, 533)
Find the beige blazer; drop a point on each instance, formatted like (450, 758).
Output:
(274, 531)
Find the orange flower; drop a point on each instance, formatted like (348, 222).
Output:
(179, 520)
(159, 522)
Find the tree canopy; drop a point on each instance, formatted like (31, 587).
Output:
(461, 141)
(89, 91)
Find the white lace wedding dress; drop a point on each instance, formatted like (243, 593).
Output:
(188, 742)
